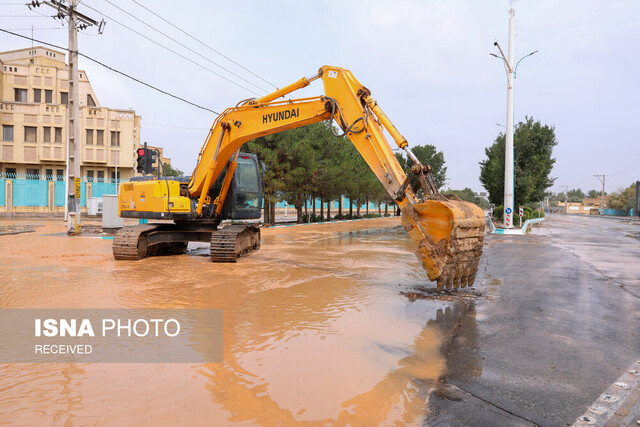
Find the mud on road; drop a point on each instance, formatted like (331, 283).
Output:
(316, 329)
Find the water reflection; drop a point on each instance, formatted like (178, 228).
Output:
(315, 332)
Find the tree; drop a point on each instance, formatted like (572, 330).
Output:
(554, 198)
(171, 171)
(292, 164)
(575, 196)
(533, 162)
(468, 195)
(594, 194)
(428, 155)
(623, 198)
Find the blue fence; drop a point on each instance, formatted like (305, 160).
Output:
(99, 189)
(31, 191)
(59, 193)
(334, 205)
(618, 212)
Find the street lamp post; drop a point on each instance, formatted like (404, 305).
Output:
(508, 151)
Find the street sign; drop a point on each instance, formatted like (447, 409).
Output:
(77, 187)
(508, 211)
(521, 211)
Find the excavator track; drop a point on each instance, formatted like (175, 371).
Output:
(130, 243)
(234, 241)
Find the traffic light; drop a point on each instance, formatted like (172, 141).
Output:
(151, 159)
(141, 161)
(145, 160)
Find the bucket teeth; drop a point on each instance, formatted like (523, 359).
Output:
(450, 237)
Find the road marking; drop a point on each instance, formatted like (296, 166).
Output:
(613, 406)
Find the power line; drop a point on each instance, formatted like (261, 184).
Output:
(116, 71)
(187, 47)
(626, 168)
(204, 44)
(35, 29)
(172, 51)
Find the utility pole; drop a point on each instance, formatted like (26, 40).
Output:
(117, 146)
(510, 69)
(508, 155)
(601, 179)
(638, 198)
(566, 198)
(508, 150)
(74, 158)
(73, 168)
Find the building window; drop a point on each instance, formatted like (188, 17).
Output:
(59, 174)
(49, 175)
(37, 95)
(89, 139)
(115, 138)
(100, 137)
(89, 176)
(20, 95)
(64, 98)
(47, 134)
(7, 132)
(58, 137)
(113, 176)
(90, 101)
(10, 172)
(100, 176)
(48, 96)
(30, 133)
(33, 173)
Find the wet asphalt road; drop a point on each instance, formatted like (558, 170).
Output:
(560, 323)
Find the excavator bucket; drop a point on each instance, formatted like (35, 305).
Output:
(450, 234)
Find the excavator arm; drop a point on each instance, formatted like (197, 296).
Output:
(448, 231)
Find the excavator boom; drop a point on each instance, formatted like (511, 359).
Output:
(449, 232)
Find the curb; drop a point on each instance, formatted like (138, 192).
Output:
(330, 222)
(516, 231)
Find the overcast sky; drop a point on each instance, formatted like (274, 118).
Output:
(426, 62)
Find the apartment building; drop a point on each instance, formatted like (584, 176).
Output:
(34, 94)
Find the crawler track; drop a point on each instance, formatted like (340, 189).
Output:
(130, 243)
(234, 241)
(227, 244)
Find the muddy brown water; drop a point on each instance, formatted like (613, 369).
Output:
(315, 330)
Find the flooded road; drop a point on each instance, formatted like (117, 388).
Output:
(315, 330)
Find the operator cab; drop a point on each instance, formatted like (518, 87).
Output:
(244, 198)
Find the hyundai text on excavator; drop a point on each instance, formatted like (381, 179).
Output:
(227, 184)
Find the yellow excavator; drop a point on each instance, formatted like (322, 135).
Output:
(227, 184)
